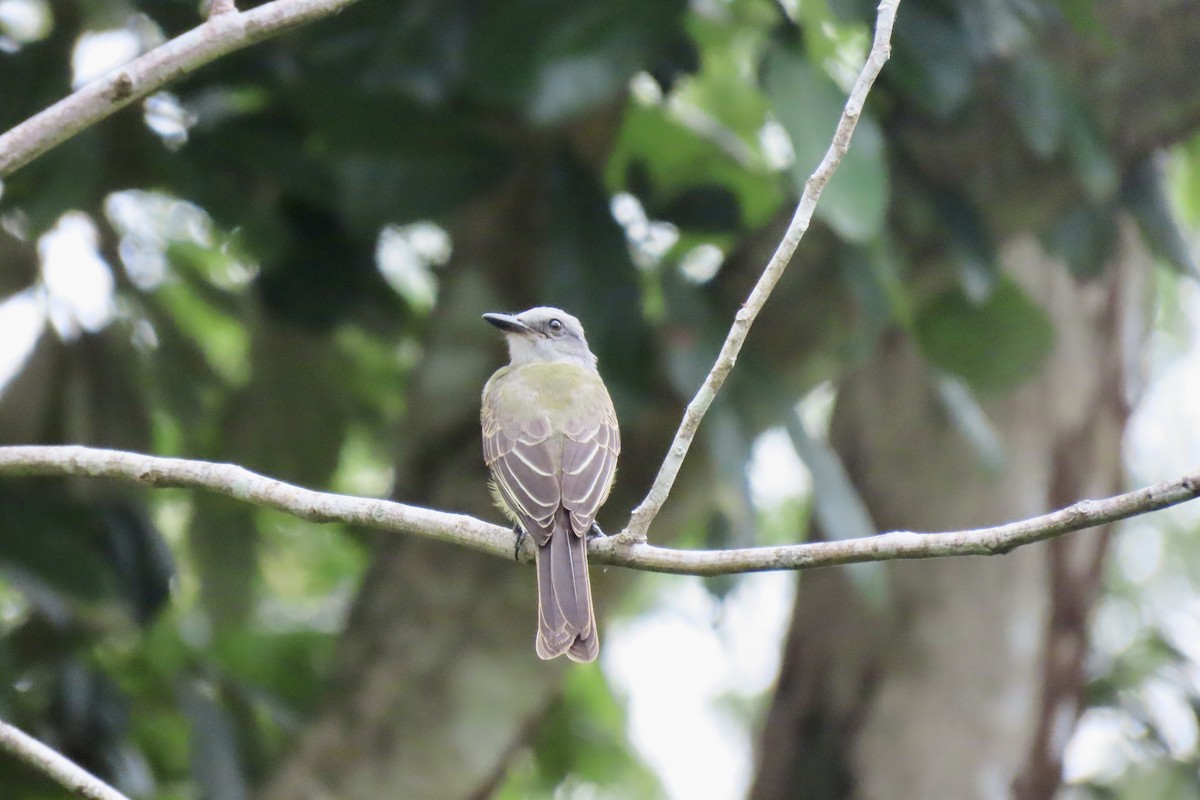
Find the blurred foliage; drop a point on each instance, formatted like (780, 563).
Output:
(588, 715)
(1141, 734)
(176, 643)
(992, 344)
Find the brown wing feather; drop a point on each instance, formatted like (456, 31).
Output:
(589, 462)
(524, 468)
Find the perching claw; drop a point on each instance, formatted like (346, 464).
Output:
(520, 532)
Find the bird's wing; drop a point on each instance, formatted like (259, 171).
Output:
(590, 450)
(523, 465)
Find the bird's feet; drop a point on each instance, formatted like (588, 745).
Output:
(594, 532)
(520, 532)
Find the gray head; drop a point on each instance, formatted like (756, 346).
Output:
(543, 334)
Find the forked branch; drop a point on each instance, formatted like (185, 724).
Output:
(881, 49)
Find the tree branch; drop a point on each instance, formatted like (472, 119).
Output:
(225, 31)
(242, 484)
(881, 49)
(58, 767)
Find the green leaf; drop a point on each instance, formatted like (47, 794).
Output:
(216, 761)
(725, 88)
(223, 550)
(290, 666)
(1037, 101)
(556, 61)
(709, 208)
(692, 334)
(68, 177)
(969, 418)
(930, 61)
(992, 345)
(376, 190)
(139, 557)
(823, 32)
(839, 507)
(1085, 236)
(1183, 173)
(201, 326)
(90, 717)
(808, 105)
(875, 275)
(872, 289)
(667, 160)
(48, 544)
(998, 28)
(970, 243)
(729, 451)
(1083, 17)
(1144, 196)
(583, 738)
(1089, 155)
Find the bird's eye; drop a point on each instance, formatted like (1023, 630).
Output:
(555, 325)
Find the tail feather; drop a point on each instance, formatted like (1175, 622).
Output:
(566, 622)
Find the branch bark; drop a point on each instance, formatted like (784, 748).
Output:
(225, 31)
(881, 48)
(58, 767)
(242, 484)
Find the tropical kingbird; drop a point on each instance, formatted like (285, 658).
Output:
(551, 442)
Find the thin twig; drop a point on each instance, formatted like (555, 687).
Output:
(226, 30)
(242, 484)
(644, 514)
(54, 765)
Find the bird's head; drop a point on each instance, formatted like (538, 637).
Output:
(543, 334)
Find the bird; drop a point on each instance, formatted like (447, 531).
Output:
(551, 442)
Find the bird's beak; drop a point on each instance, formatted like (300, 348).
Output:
(508, 323)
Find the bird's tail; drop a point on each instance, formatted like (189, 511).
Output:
(566, 622)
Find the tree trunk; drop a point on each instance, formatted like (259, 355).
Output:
(967, 683)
